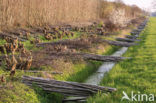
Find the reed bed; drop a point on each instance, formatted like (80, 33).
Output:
(42, 12)
(18, 13)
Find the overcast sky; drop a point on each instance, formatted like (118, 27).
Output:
(144, 4)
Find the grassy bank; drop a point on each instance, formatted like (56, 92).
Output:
(14, 91)
(137, 75)
(83, 70)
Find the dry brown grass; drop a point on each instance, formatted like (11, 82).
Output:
(14, 13)
(42, 12)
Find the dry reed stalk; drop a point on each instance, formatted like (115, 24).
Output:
(15, 13)
(43, 12)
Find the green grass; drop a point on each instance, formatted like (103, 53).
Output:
(36, 95)
(76, 35)
(83, 71)
(137, 74)
(2, 42)
(30, 46)
(80, 72)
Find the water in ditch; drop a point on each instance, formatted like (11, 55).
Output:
(96, 78)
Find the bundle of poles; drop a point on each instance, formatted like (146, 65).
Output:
(66, 88)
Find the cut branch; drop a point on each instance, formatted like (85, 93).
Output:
(61, 42)
(127, 40)
(35, 71)
(3, 35)
(131, 36)
(65, 88)
(118, 43)
(90, 56)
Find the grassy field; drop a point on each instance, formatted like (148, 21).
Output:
(137, 75)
